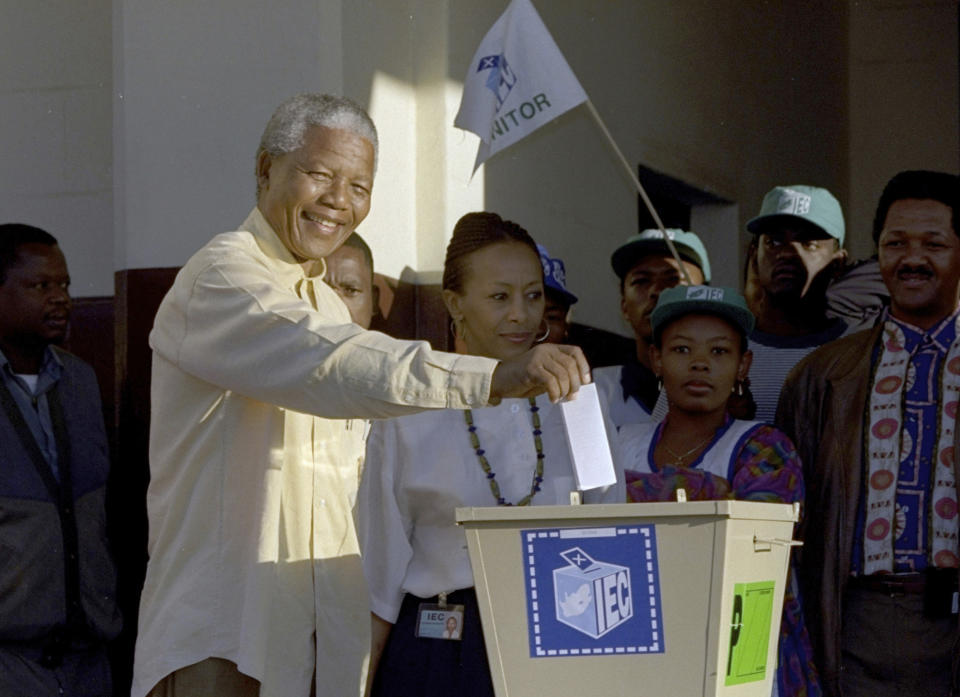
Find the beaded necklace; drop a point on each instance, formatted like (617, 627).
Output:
(491, 475)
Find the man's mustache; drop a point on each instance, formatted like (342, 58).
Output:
(915, 271)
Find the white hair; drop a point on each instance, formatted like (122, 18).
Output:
(286, 128)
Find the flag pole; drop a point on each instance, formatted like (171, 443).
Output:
(643, 193)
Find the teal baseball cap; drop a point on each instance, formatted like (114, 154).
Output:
(648, 242)
(707, 300)
(810, 203)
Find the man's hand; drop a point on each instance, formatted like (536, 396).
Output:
(556, 369)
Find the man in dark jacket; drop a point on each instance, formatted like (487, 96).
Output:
(873, 416)
(57, 604)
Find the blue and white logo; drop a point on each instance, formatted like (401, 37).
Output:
(593, 591)
(585, 584)
(501, 78)
(704, 293)
(794, 202)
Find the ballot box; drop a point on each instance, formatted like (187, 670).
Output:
(650, 599)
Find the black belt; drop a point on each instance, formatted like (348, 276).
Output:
(937, 586)
(892, 584)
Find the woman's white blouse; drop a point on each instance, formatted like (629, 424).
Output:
(420, 468)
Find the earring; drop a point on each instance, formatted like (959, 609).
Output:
(659, 384)
(546, 333)
(738, 388)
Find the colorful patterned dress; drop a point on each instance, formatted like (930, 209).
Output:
(749, 461)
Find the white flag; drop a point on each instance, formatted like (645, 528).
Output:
(517, 81)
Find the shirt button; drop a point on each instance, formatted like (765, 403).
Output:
(323, 502)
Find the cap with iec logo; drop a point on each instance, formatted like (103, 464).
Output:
(679, 301)
(810, 203)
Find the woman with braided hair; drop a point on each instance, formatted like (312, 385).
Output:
(420, 468)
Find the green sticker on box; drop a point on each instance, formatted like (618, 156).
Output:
(749, 632)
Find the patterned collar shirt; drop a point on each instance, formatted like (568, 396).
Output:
(918, 442)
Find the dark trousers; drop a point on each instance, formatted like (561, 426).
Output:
(891, 650)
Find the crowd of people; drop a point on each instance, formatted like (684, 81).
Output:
(305, 470)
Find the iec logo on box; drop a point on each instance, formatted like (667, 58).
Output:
(592, 591)
(577, 587)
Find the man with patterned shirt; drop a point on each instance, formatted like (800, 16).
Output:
(873, 416)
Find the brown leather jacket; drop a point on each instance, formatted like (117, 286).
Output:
(821, 408)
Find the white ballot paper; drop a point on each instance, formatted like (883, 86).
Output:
(587, 439)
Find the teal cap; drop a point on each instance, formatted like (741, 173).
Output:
(707, 300)
(648, 242)
(810, 203)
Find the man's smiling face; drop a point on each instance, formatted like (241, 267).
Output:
(316, 195)
(920, 261)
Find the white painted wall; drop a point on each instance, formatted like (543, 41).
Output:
(195, 84)
(903, 100)
(130, 126)
(55, 130)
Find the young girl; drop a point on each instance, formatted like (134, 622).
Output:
(699, 352)
(420, 468)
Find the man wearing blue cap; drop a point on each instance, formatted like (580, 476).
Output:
(796, 250)
(556, 311)
(645, 268)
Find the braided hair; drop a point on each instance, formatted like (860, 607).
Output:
(473, 232)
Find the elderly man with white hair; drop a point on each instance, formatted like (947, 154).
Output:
(254, 584)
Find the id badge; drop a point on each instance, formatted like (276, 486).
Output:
(439, 622)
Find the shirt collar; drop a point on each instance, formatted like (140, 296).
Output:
(50, 369)
(941, 335)
(271, 245)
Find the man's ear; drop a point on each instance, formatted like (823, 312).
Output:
(839, 259)
(264, 162)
